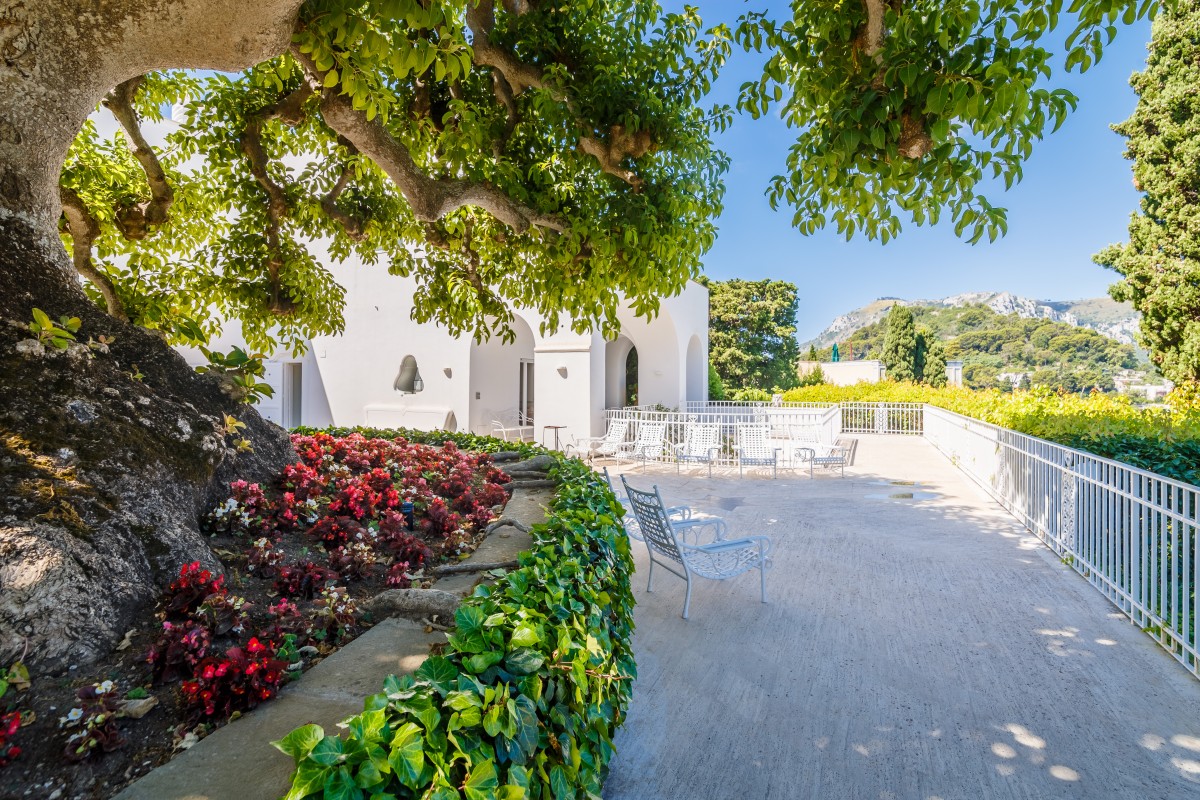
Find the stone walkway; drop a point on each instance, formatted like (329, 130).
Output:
(925, 647)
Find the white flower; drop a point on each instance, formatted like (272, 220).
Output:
(105, 688)
(230, 505)
(73, 716)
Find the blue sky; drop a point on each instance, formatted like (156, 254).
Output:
(1076, 198)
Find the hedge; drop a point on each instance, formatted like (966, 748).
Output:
(1165, 439)
(534, 682)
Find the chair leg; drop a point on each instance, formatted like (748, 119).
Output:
(650, 583)
(687, 597)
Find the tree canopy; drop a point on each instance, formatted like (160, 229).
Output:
(555, 155)
(1161, 261)
(752, 333)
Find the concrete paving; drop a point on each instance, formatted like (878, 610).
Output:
(918, 643)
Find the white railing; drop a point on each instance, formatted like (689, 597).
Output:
(892, 418)
(713, 405)
(1131, 533)
(787, 424)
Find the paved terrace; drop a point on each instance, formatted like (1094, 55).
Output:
(913, 648)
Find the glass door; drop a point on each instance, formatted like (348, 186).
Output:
(525, 400)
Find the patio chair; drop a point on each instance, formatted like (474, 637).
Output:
(648, 446)
(807, 447)
(702, 442)
(605, 445)
(754, 447)
(511, 422)
(715, 560)
(629, 521)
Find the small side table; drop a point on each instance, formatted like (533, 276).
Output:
(556, 429)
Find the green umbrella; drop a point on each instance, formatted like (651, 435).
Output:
(836, 357)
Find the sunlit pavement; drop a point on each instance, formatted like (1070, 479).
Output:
(918, 643)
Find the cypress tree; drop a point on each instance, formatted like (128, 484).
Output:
(900, 345)
(1161, 261)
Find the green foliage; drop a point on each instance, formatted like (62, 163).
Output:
(613, 69)
(242, 370)
(1056, 354)
(716, 388)
(752, 333)
(1165, 440)
(951, 96)
(751, 395)
(814, 377)
(57, 335)
(933, 370)
(534, 682)
(1161, 261)
(900, 345)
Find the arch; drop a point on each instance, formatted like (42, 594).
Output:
(632, 377)
(616, 356)
(660, 356)
(697, 371)
(501, 379)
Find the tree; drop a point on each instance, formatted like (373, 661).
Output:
(812, 353)
(752, 333)
(716, 389)
(1161, 261)
(550, 154)
(899, 348)
(933, 371)
(903, 108)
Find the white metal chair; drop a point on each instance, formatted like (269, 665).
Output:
(702, 442)
(605, 445)
(675, 513)
(807, 447)
(511, 422)
(716, 560)
(754, 447)
(648, 446)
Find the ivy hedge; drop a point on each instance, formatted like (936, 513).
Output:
(535, 680)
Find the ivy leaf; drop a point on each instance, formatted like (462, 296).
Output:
(300, 742)
(408, 757)
(482, 782)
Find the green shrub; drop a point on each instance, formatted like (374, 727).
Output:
(1165, 440)
(751, 396)
(533, 684)
(716, 387)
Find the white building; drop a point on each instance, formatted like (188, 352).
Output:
(367, 375)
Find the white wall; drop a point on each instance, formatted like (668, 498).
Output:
(495, 377)
(846, 373)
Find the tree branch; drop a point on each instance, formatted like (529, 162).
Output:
(120, 102)
(350, 224)
(84, 231)
(481, 20)
(430, 198)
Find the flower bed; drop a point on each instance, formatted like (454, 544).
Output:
(529, 692)
(354, 516)
(1165, 440)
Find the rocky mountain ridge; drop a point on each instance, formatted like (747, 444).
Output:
(1117, 321)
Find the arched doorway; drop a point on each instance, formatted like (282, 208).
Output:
(616, 371)
(631, 377)
(501, 384)
(697, 372)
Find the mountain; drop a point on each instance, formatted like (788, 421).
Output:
(1117, 321)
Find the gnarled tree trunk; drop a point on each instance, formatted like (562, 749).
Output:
(107, 453)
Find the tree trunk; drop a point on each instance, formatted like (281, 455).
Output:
(109, 453)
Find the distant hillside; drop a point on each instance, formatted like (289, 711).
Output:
(1117, 321)
(1023, 342)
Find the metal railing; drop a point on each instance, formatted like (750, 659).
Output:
(819, 420)
(891, 418)
(1131, 533)
(713, 405)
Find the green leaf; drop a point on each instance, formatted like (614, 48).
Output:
(408, 757)
(482, 782)
(300, 742)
